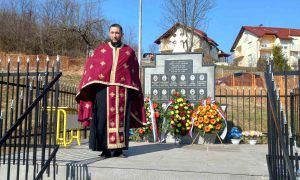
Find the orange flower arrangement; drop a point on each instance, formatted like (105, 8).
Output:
(141, 131)
(208, 117)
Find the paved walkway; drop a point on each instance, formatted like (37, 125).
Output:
(167, 161)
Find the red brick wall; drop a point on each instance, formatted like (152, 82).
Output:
(64, 61)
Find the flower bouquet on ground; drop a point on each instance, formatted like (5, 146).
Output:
(235, 135)
(179, 115)
(209, 118)
(252, 136)
(137, 135)
(154, 117)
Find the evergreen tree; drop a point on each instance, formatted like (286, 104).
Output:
(278, 58)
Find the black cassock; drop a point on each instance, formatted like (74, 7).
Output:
(98, 128)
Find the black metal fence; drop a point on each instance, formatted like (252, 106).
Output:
(283, 119)
(245, 107)
(27, 126)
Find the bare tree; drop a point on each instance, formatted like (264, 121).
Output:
(66, 27)
(190, 14)
(18, 23)
(89, 24)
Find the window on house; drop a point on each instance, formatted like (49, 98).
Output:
(250, 44)
(265, 56)
(250, 60)
(265, 43)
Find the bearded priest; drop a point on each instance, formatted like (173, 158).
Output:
(110, 96)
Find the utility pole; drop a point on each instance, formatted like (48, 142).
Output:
(141, 72)
(140, 34)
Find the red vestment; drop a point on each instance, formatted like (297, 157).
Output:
(118, 69)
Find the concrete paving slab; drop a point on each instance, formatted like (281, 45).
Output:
(169, 161)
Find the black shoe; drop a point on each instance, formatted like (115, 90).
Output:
(105, 154)
(119, 154)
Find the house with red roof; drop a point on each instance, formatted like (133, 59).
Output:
(180, 38)
(254, 42)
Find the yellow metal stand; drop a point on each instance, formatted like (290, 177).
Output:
(66, 120)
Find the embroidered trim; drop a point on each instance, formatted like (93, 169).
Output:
(113, 66)
(117, 114)
(115, 146)
(107, 83)
(114, 102)
(107, 115)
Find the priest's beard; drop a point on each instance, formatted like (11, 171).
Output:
(116, 44)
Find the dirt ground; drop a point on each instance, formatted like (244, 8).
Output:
(73, 74)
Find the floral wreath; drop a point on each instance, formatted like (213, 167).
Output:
(154, 119)
(179, 115)
(208, 117)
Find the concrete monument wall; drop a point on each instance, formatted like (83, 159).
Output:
(182, 72)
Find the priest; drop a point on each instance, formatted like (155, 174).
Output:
(110, 96)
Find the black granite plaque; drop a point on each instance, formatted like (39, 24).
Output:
(183, 91)
(165, 95)
(201, 79)
(191, 85)
(173, 79)
(192, 94)
(183, 80)
(164, 80)
(192, 80)
(179, 76)
(155, 80)
(201, 92)
(178, 66)
(155, 93)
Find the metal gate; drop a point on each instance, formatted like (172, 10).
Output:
(27, 138)
(283, 124)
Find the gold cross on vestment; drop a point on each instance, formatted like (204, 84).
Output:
(103, 50)
(101, 76)
(112, 138)
(112, 109)
(121, 109)
(103, 63)
(123, 78)
(112, 94)
(112, 124)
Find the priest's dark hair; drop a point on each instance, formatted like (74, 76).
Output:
(118, 26)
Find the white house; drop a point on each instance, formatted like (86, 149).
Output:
(254, 42)
(179, 37)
